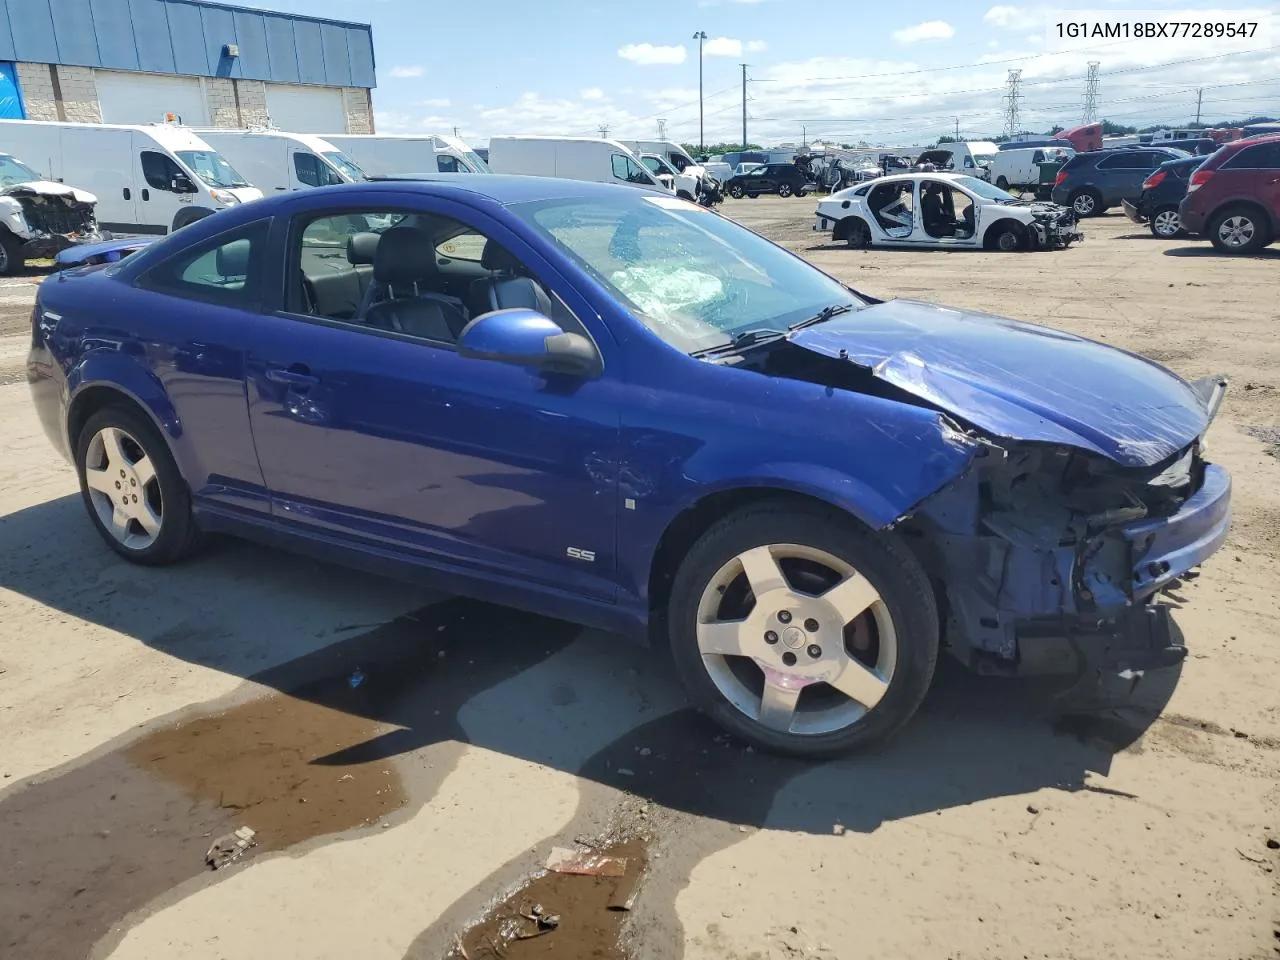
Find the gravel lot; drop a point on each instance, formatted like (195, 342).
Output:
(145, 713)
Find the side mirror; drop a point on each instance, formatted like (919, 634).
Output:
(526, 338)
(182, 184)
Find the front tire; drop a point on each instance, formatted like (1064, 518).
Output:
(784, 190)
(1087, 202)
(1002, 183)
(736, 192)
(802, 632)
(11, 260)
(1238, 230)
(133, 491)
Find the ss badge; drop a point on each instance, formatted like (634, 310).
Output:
(577, 553)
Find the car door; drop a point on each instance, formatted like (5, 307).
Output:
(1268, 182)
(392, 439)
(159, 202)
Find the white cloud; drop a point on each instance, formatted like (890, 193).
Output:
(929, 30)
(1013, 18)
(729, 47)
(591, 93)
(433, 102)
(648, 55)
(407, 72)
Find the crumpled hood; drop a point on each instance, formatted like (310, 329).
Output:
(48, 188)
(1019, 380)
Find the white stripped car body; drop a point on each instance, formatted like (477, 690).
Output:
(942, 210)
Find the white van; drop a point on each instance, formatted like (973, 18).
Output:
(571, 158)
(1020, 167)
(275, 161)
(381, 155)
(964, 156)
(151, 178)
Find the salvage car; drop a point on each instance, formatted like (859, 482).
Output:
(1233, 198)
(617, 407)
(39, 218)
(943, 210)
(1162, 192)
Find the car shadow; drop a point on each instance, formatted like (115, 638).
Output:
(575, 700)
(1207, 249)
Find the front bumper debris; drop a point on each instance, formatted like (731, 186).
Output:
(1133, 211)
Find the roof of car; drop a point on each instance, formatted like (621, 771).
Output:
(501, 188)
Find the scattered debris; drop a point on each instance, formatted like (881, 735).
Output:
(838, 829)
(355, 679)
(231, 847)
(585, 863)
(1273, 843)
(1245, 856)
(625, 891)
(1032, 809)
(345, 777)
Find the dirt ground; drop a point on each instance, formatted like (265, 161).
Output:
(410, 760)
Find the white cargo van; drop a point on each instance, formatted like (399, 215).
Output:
(275, 161)
(1020, 166)
(382, 155)
(151, 178)
(966, 156)
(571, 158)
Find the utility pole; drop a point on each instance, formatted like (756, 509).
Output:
(957, 129)
(701, 37)
(1013, 104)
(744, 106)
(455, 131)
(662, 128)
(804, 135)
(1091, 93)
(1199, 100)
(604, 131)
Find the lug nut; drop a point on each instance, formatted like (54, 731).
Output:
(121, 473)
(789, 659)
(784, 616)
(770, 637)
(815, 651)
(811, 625)
(134, 483)
(117, 484)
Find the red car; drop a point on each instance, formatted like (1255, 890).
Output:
(1234, 196)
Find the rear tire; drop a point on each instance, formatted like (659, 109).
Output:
(857, 234)
(1165, 223)
(11, 260)
(814, 570)
(1002, 183)
(136, 498)
(1239, 230)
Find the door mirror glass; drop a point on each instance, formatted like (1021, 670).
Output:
(527, 338)
(182, 184)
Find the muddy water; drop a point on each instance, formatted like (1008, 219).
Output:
(83, 848)
(587, 910)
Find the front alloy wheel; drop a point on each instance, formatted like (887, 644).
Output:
(1166, 223)
(784, 190)
(802, 632)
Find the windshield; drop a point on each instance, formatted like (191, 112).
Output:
(473, 158)
(694, 278)
(212, 167)
(15, 171)
(656, 164)
(346, 166)
(984, 189)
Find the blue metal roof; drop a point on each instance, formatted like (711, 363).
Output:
(187, 37)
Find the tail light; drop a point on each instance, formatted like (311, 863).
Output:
(1198, 180)
(1154, 180)
(1058, 180)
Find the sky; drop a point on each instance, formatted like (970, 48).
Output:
(883, 73)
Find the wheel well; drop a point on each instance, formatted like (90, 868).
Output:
(844, 227)
(993, 231)
(683, 532)
(89, 402)
(184, 218)
(1255, 208)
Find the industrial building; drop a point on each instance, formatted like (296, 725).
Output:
(209, 64)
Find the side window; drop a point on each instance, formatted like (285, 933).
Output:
(307, 168)
(1254, 158)
(225, 270)
(1037, 157)
(447, 164)
(466, 246)
(968, 163)
(1123, 160)
(624, 168)
(159, 170)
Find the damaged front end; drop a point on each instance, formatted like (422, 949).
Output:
(1054, 227)
(1050, 559)
(49, 217)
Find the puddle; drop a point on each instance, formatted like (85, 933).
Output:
(582, 915)
(257, 763)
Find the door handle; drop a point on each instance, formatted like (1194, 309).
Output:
(127, 194)
(294, 376)
(146, 194)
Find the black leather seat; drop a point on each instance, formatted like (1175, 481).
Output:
(404, 270)
(508, 289)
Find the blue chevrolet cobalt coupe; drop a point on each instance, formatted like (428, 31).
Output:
(616, 407)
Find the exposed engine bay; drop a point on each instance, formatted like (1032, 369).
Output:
(47, 217)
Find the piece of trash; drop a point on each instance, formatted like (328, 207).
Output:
(838, 829)
(355, 679)
(585, 863)
(345, 776)
(1249, 858)
(1273, 843)
(1031, 809)
(549, 922)
(624, 892)
(229, 848)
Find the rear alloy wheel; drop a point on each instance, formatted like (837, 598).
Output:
(801, 632)
(1238, 230)
(132, 489)
(784, 190)
(1166, 223)
(1086, 203)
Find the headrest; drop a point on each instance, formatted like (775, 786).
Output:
(233, 258)
(362, 247)
(404, 255)
(495, 257)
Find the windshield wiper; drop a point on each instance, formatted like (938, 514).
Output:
(740, 341)
(826, 314)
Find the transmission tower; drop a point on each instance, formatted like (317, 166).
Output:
(1013, 104)
(662, 128)
(604, 131)
(1091, 93)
